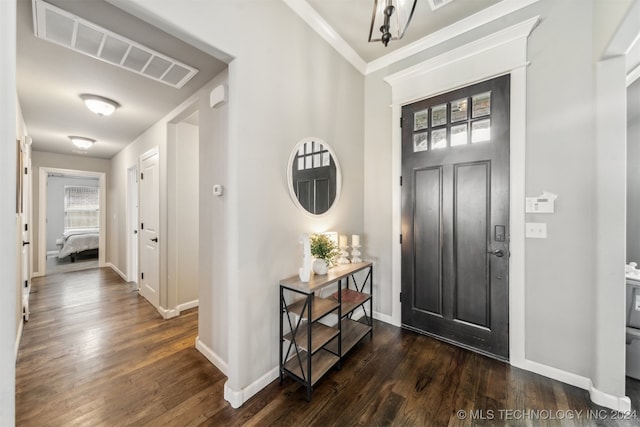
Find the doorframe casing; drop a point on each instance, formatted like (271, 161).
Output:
(133, 251)
(42, 213)
(503, 52)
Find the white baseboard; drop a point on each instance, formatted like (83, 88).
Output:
(385, 318)
(36, 274)
(238, 397)
(117, 270)
(187, 305)
(212, 356)
(598, 397)
(620, 404)
(19, 338)
(168, 313)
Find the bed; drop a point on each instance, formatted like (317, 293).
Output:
(79, 240)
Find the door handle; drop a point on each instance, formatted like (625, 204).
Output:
(498, 252)
(25, 243)
(155, 239)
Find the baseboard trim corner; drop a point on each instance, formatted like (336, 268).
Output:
(386, 319)
(620, 404)
(168, 313)
(237, 398)
(117, 270)
(598, 397)
(212, 357)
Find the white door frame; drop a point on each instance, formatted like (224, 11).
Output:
(504, 52)
(133, 218)
(42, 216)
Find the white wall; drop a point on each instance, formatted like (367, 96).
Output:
(285, 83)
(8, 130)
(55, 204)
(42, 159)
(179, 200)
(187, 212)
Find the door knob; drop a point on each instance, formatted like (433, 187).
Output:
(498, 252)
(25, 243)
(155, 239)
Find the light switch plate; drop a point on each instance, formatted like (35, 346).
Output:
(536, 230)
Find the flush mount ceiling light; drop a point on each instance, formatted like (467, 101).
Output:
(391, 18)
(100, 105)
(82, 142)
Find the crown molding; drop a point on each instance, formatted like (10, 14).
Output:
(492, 13)
(322, 27)
(326, 31)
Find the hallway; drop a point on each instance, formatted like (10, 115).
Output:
(95, 353)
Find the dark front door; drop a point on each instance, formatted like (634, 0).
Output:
(455, 216)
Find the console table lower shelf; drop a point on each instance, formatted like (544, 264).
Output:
(328, 341)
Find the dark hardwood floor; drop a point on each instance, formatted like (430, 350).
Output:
(94, 353)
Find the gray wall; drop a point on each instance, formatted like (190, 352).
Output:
(60, 161)
(285, 84)
(55, 204)
(633, 173)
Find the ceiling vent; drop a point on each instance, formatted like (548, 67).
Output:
(437, 4)
(65, 29)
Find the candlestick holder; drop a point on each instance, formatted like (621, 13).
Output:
(342, 259)
(355, 254)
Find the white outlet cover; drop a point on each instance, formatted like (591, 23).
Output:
(536, 230)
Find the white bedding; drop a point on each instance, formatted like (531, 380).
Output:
(74, 241)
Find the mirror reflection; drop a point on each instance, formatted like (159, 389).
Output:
(314, 176)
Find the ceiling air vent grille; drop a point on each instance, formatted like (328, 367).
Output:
(63, 28)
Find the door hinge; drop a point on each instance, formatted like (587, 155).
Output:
(401, 239)
(26, 171)
(26, 283)
(142, 275)
(400, 121)
(400, 296)
(26, 227)
(400, 180)
(141, 175)
(142, 225)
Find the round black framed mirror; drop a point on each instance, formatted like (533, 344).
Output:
(314, 176)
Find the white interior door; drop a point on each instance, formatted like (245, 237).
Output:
(26, 174)
(149, 227)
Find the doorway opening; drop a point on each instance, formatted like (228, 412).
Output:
(71, 224)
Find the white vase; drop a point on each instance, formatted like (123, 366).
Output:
(320, 266)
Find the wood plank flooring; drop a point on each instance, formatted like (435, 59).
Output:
(94, 353)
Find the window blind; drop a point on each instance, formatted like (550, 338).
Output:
(81, 207)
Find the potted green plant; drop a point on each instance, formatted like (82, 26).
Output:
(324, 250)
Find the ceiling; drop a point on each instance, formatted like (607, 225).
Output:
(51, 77)
(351, 19)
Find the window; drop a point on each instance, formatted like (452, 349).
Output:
(81, 207)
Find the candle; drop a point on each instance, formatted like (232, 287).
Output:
(355, 240)
(343, 241)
